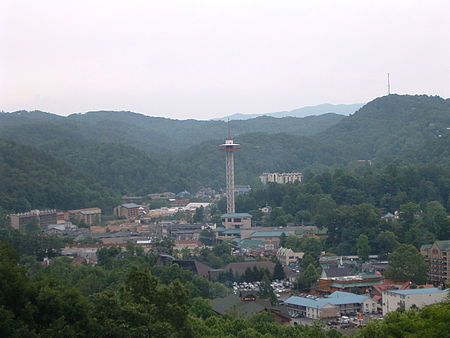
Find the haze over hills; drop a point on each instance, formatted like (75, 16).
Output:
(135, 154)
(326, 108)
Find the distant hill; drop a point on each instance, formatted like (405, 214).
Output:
(136, 154)
(30, 178)
(394, 125)
(153, 135)
(341, 109)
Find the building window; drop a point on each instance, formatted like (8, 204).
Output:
(237, 220)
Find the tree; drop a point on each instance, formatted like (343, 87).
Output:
(283, 240)
(386, 242)
(266, 290)
(278, 272)
(307, 278)
(199, 215)
(362, 247)
(407, 264)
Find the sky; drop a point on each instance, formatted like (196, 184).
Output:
(205, 59)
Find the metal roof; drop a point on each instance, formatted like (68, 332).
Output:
(130, 205)
(236, 215)
(336, 298)
(267, 234)
(418, 291)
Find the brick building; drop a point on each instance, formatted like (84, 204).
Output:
(437, 256)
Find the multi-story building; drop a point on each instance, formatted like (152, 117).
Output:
(289, 256)
(89, 216)
(43, 218)
(128, 210)
(237, 220)
(406, 299)
(281, 178)
(437, 256)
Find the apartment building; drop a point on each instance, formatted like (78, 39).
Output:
(42, 217)
(437, 256)
(281, 178)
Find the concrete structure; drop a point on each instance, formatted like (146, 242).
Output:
(43, 218)
(288, 256)
(282, 178)
(127, 210)
(237, 220)
(89, 216)
(406, 299)
(437, 256)
(338, 303)
(230, 147)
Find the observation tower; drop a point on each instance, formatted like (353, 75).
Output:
(229, 147)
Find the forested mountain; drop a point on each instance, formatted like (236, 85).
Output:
(136, 154)
(392, 125)
(30, 178)
(153, 135)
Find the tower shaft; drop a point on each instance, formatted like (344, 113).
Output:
(230, 181)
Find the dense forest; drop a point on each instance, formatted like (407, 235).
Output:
(30, 178)
(131, 153)
(350, 203)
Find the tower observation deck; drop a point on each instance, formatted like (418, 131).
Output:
(229, 147)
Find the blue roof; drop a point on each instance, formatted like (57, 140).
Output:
(267, 234)
(236, 215)
(219, 229)
(336, 298)
(418, 291)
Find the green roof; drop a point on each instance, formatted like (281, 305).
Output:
(267, 234)
(426, 246)
(232, 231)
(443, 245)
(236, 215)
(248, 243)
(354, 284)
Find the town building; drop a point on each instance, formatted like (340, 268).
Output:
(363, 282)
(271, 239)
(89, 216)
(128, 210)
(281, 178)
(43, 218)
(334, 305)
(412, 298)
(437, 256)
(237, 220)
(288, 256)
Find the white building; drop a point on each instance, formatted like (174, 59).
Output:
(338, 303)
(406, 299)
(282, 178)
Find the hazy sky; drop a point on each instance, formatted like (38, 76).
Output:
(203, 59)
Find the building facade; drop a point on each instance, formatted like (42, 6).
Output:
(90, 216)
(127, 210)
(237, 220)
(437, 256)
(334, 305)
(43, 218)
(281, 178)
(407, 299)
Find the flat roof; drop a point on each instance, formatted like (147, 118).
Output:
(336, 298)
(267, 234)
(418, 291)
(243, 214)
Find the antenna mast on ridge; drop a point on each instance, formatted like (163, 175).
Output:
(388, 84)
